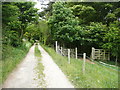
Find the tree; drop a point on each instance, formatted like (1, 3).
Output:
(16, 16)
(93, 11)
(10, 12)
(85, 14)
(27, 15)
(47, 12)
(63, 23)
(11, 23)
(112, 39)
(37, 31)
(95, 34)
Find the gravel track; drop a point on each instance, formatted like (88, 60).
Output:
(54, 77)
(24, 76)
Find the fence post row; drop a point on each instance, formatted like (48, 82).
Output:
(76, 52)
(84, 59)
(56, 45)
(104, 55)
(69, 56)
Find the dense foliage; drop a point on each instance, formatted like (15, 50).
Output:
(37, 31)
(73, 24)
(63, 24)
(15, 18)
(87, 25)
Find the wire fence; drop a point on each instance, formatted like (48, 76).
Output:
(73, 53)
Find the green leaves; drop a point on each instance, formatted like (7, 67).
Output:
(10, 13)
(62, 23)
(85, 13)
(39, 31)
(86, 24)
(110, 17)
(113, 38)
(15, 17)
(94, 33)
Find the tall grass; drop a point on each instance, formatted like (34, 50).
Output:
(12, 56)
(95, 76)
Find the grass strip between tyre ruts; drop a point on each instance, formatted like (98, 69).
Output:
(39, 68)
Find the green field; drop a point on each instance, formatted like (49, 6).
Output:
(95, 76)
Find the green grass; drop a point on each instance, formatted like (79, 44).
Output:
(112, 63)
(37, 51)
(39, 67)
(95, 76)
(12, 56)
(109, 65)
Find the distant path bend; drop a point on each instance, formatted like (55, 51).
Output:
(54, 77)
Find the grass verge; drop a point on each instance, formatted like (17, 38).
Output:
(114, 67)
(95, 76)
(39, 68)
(12, 56)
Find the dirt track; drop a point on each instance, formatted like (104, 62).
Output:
(54, 77)
(24, 76)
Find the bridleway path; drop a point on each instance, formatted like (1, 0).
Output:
(24, 76)
(54, 77)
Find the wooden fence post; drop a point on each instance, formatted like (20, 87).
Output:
(69, 56)
(93, 51)
(84, 59)
(99, 54)
(104, 55)
(56, 46)
(61, 50)
(76, 52)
